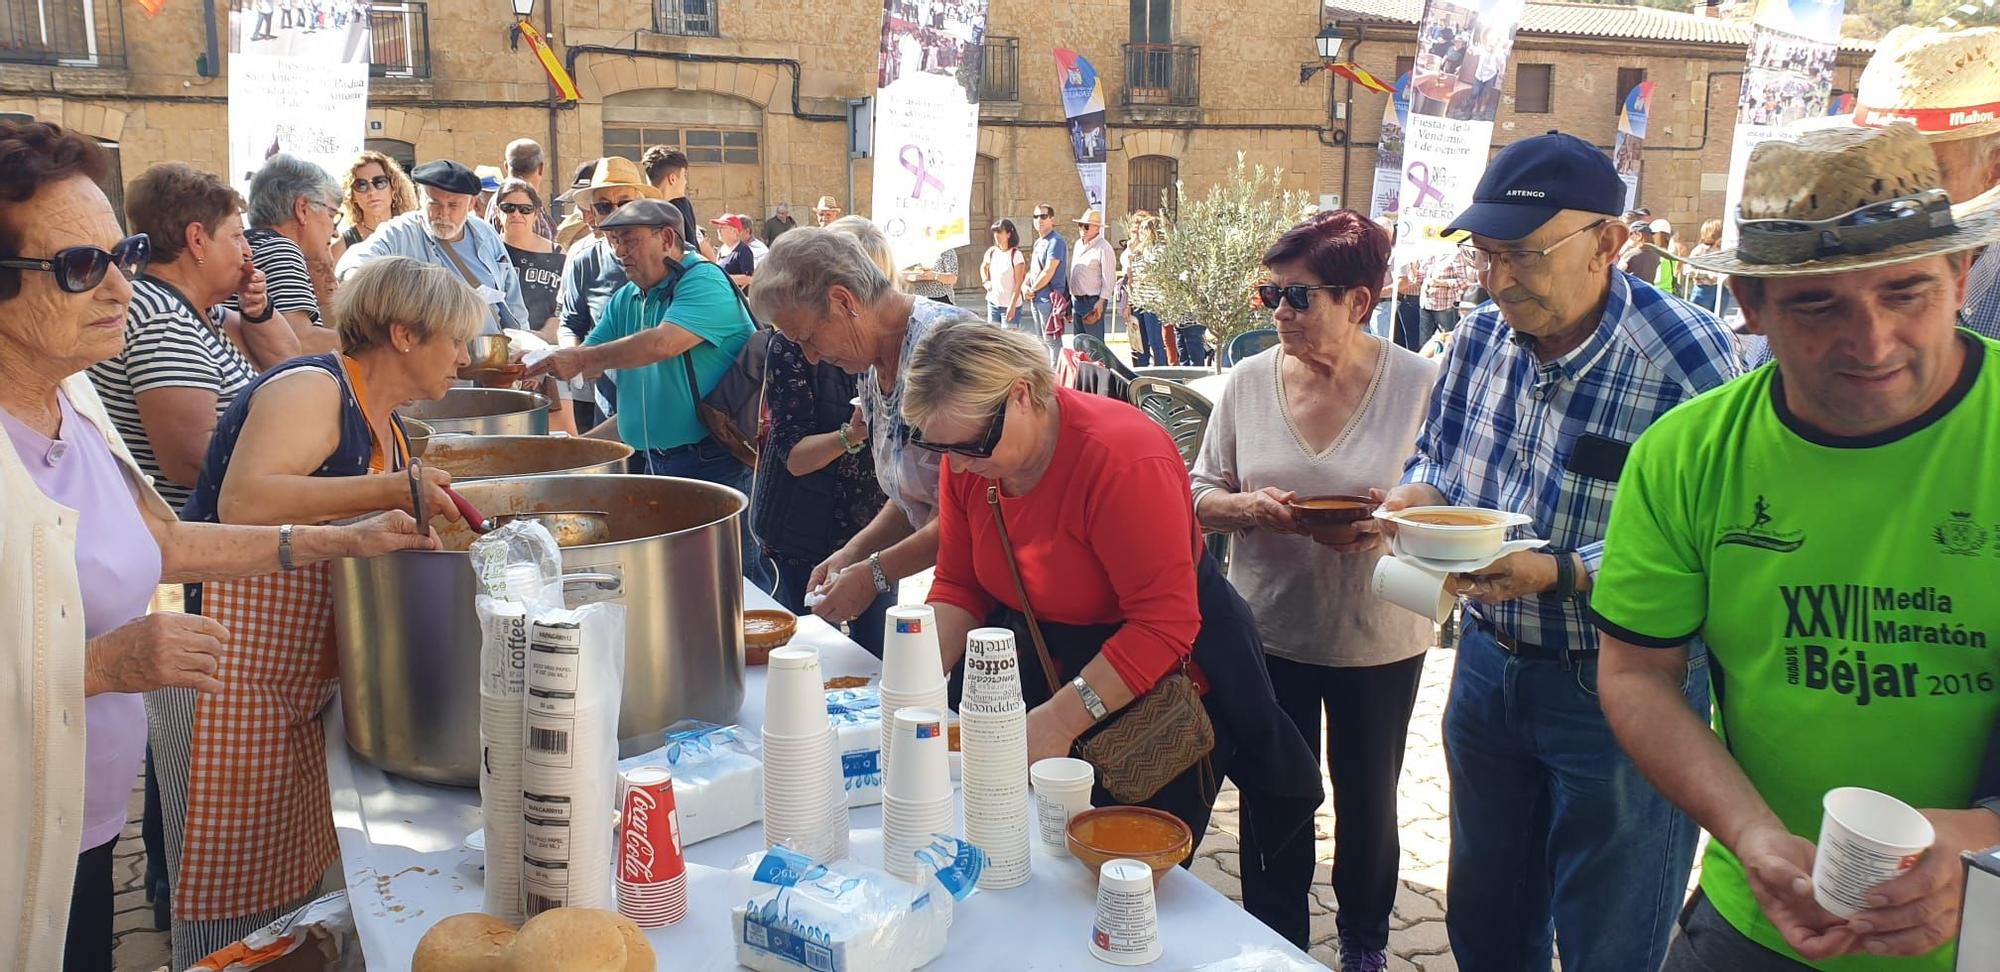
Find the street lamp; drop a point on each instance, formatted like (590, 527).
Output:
(523, 9)
(1328, 42)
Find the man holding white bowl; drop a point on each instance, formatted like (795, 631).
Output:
(1555, 834)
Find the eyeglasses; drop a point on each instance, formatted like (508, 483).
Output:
(982, 448)
(379, 182)
(79, 269)
(518, 209)
(1518, 261)
(1864, 229)
(607, 208)
(1297, 295)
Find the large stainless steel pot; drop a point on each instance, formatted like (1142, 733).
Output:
(484, 411)
(409, 638)
(474, 457)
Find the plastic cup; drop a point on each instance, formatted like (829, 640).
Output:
(1062, 787)
(794, 693)
(910, 659)
(1866, 838)
(1127, 927)
(1412, 588)
(992, 671)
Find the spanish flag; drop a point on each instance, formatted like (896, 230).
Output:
(557, 76)
(1355, 73)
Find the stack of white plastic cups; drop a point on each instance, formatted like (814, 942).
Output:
(912, 669)
(502, 690)
(805, 803)
(916, 796)
(567, 795)
(993, 742)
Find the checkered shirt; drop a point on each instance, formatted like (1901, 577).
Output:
(1982, 295)
(1502, 425)
(1448, 277)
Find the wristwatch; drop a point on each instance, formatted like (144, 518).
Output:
(269, 310)
(850, 446)
(1565, 589)
(1091, 701)
(285, 548)
(875, 570)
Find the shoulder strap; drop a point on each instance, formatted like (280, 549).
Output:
(1014, 567)
(457, 261)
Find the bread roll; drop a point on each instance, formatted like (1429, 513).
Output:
(569, 940)
(471, 942)
(638, 951)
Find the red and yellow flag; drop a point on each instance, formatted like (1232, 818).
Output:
(557, 76)
(153, 7)
(1359, 75)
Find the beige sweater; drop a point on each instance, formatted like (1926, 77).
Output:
(1313, 603)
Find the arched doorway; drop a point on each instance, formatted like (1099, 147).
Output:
(723, 138)
(403, 152)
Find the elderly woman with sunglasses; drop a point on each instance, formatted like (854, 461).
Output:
(1331, 410)
(1066, 517)
(377, 191)
(84, 540)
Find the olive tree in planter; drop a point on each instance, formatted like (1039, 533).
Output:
(1207, 269)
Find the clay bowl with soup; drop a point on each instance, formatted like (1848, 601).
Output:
(1332, 519)
(1451, 532)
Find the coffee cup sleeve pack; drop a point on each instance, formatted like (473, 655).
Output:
(718, 777)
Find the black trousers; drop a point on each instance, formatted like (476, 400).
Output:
(88, 947)
(1367, 721)
(1410, 333)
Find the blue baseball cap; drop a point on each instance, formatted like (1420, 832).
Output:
(1532, 180)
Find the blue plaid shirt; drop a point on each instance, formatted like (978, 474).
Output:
(1502, 424)
(1982, 294)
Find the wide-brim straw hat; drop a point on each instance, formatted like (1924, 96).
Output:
(613, 172)
(1828, 173)
(1946, 82)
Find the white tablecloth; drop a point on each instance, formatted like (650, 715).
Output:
(401, 848)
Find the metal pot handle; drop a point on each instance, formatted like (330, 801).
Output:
(596, 587)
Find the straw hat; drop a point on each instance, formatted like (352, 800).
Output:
(611, 173)
(1090, 217)
(1947, 83)
(1831, 173)
(826, 203)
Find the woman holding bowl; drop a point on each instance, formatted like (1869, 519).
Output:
(84, 540)
(242, 770)
(1074, 508)
(1331, 410)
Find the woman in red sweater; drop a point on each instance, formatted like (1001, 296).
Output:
(1096, 503)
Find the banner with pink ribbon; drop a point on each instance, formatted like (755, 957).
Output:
(1454, 91)
(927, 125)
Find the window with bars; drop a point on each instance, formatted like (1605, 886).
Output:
(1534, 86)
(1151, 177)
(688, 18)
(703, 146)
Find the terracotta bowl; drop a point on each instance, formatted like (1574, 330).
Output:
(1158, 839)
(764, 630)
(1331, 518)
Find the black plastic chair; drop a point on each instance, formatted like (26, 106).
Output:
(1094, 348)
(1247, 344)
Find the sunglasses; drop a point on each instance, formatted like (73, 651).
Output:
(379, 182)
(1045, 215)
(1297, 295)
(79, 269)
(982, 448)
(518, 209)
(607, 208)
(1865, 229)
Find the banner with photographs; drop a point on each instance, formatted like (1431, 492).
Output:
(1454, 91)
(1628, 149)
(1787, 78)
(298, 82)
(1083, 105)
(1389, 151)
(927, 125)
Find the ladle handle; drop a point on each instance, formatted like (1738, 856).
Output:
(473, 518)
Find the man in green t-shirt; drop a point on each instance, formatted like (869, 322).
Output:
(670, 334)
(1829, 526)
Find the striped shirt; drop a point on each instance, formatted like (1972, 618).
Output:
(168, 344)
(286, 280)
(1503, 426)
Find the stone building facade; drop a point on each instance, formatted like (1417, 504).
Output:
(757, 91)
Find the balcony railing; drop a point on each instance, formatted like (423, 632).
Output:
(688, 18)
(1000, 69)
(1163, 74)
(399, 36)
(58, 33)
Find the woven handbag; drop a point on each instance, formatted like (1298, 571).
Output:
(1150, 742)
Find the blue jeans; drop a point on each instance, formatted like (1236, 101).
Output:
(995, 314)
(1193, 340)
(711, 463)
(1080, 309)
(1553, 829)
(866, 630)
(1044, 309)
(1152, 349)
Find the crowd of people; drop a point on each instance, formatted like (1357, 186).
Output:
(210, 400)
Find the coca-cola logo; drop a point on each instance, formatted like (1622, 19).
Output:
(649, 848)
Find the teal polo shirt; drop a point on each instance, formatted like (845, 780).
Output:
(656, 410)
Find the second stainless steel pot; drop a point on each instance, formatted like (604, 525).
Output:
(409, 638)
(483, 411)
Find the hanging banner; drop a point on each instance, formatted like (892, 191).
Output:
(927, 125)
(1083, 105)
(1787, 77)
(1389, 151)
(1454, 91)
(1627, 150)
(298, 84)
